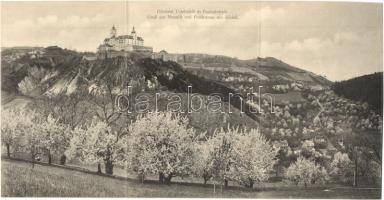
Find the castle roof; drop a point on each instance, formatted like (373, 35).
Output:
(128, 37)
(124, 36)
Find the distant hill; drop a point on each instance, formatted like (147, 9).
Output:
(266, 70)
(367, 88)
(21, 49)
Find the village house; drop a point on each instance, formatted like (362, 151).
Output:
(165, 56)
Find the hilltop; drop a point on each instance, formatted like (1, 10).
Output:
(267, 71)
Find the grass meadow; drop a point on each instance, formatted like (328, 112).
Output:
(19, 179)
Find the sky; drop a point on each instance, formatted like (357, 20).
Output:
(334, 39)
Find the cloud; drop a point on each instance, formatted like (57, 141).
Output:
(49, 20)
(309, 44)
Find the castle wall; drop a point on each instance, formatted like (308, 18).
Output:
(113, 54)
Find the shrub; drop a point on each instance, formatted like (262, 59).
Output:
(238, 155)
(341, 167)
(306, 172)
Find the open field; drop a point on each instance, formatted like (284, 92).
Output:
(19, 179)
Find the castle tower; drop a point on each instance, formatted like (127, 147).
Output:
(133, 33)
(113, 31)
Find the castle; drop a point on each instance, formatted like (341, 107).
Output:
(122, 45)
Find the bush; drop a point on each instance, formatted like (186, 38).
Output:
(341, 167)
(238, 155)
(305, 172)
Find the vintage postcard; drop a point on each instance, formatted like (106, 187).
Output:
(179, 99)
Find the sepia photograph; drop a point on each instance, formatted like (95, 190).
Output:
(192, 99)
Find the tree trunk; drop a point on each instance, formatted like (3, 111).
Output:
(278, 170)
(251, 183)
(206, 177)
(99, 168)
(109, 167)
(168, 179)
(108, 163)
(49, 157)
(142, 178)
(214, 188)
(63, 159)
(33, 159)
(355, 174)
(8, 152)
(205, 180)
(225, 183)
(161, 177)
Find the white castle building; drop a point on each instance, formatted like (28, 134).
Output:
(120, 45)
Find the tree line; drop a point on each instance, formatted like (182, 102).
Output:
(159, 143)
(367, 88)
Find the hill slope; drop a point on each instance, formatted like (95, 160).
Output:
(305, 118)
(367, 88)
(60, 71)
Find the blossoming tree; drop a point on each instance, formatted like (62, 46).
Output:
(94, 144)
(253, 158)
(54, 137)
(13, 126)
(306, 172)
(160, 143)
